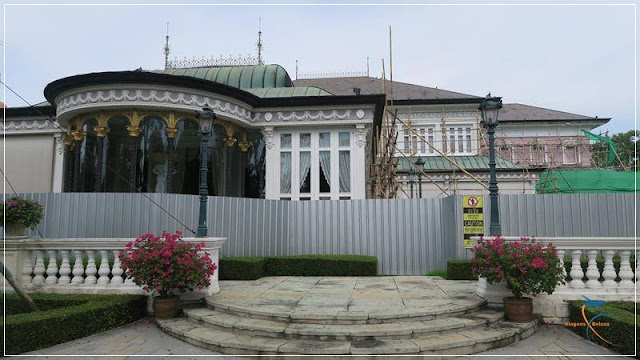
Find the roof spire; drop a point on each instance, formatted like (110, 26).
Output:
(260, 61)
(166, 49)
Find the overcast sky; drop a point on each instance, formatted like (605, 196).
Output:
(578, 59)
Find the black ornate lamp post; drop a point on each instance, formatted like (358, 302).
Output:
(411, 173)
(205, 118)
(489, 107)
(420, 166)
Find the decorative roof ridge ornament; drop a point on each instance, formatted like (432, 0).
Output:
(195, 62)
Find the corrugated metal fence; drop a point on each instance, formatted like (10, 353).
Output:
(409, 236)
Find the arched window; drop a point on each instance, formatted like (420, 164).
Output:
(88, 151)
(186, 157)
(117, 152)
(152, 155)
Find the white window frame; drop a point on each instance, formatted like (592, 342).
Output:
(315, 149)
(564, 155)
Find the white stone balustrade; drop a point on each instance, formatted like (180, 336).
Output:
(66, 272)
(594, 283)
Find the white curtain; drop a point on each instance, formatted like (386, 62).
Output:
(305, 166)
(285, 172)
(325, 165)
(345, 171)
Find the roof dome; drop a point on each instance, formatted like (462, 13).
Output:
(242, 77)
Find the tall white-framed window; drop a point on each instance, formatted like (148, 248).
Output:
(315, 164)
(413, 143)
(570, 154)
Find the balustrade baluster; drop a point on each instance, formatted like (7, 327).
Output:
(27, 269)
(52, 269)
(104, 270)
(626, 274)
(593, 273)
(78, 268)
(91, 268)
(636, 261)
(39, 269)
(609, 271)
(117, 269)
(576, 270)
(65, 268)
(564, 271)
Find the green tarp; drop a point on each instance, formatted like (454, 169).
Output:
(586, 181)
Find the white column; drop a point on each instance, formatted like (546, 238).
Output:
(271, 175)
(576, 270)
(359, 155)
(117, 269)
(593, 274)
(58, 163)
(91, 268)
(104, 269)
(39, 269)
(564, 270)
(78, 268)
(609, 271)
(625, 270)
(65, 268)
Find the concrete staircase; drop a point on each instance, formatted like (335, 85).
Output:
(465, 327)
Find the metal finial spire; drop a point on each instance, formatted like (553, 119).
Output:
(166, 49)
(260, 61)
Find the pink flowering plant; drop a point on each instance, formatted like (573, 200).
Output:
(17, 210)
(166, 264)
(525, 266)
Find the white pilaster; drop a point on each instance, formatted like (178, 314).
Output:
(58, 163)
(271, 159)
(359, 161)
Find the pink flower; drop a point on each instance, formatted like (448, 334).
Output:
(538, 262)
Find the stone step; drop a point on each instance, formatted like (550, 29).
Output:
(374, 314)
(407, 328)
(460, 342)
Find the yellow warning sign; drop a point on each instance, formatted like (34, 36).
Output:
(472, 218)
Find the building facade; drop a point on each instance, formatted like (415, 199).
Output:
(274, 138)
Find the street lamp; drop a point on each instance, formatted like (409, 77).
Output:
(420, 166)
(489, 107)
(411, 173)
(205, 118)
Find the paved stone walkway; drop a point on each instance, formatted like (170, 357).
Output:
(144, 338)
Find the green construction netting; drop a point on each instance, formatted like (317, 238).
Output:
(586, 181)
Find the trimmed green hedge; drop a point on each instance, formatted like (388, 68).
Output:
(251, 268)
(621, 327)
(459, 270)
(242, 268)
(67, 317)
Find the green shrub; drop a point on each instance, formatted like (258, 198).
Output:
(621, 329)
(252, 268)
(322, 265)
(459, 270)
(242, 268)
(441, 273)
(75, 316)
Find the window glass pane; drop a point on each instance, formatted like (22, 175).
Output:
(430, 139)
(285, 172)
(305, 172)
(325, 139)
(423, 145)
(345, 171)
(468, 139)
(344, 138)
(305, 140)
(285, 141)
(325, 171)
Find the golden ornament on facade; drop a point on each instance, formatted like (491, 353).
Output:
(134, 131)
(244, 146)
(230, 141)
(67, 140)
(171, 132)
(78, 135)
(101, 131)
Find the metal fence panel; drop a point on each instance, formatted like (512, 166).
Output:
(408, 236)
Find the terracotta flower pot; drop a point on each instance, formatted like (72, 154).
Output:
(518, 309)
(166, 308)
(15, 229)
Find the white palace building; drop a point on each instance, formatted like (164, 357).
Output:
(274, 138)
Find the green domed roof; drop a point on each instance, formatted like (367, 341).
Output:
(241, 77)
(288, 92)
